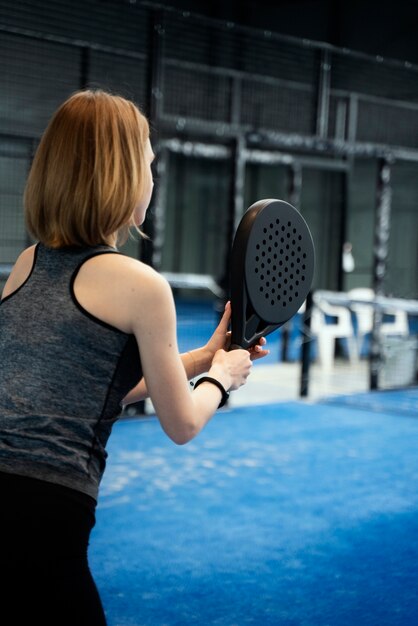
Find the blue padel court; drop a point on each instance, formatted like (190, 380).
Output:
(291, 514)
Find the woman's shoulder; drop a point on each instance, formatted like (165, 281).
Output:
(139, 279)
(126, 269)
(124, 277)
(146, 295)
(20, 271)
(117, 289)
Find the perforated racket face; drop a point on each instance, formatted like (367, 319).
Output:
(272, 266)
(279, 262)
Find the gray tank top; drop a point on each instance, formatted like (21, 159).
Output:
(63, 374)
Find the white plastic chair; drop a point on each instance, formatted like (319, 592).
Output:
(364, 316)
(328, 332)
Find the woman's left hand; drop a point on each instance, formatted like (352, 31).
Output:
(221, 338)
(258, 351)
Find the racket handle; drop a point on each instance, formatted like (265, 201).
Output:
(234, 346)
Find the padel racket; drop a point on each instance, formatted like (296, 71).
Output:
(272, 266)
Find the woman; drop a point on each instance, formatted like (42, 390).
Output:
(84, 330)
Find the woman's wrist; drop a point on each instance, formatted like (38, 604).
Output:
(197, 361)
(221, 375)
(206, 357)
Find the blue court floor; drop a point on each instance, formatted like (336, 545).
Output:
(290, 514)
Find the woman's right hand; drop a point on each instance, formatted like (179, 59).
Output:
(231, 368)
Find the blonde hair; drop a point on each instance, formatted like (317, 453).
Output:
(89, 172)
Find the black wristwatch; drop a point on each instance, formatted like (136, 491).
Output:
(209, 379)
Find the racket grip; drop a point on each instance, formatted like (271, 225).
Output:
(234, 346)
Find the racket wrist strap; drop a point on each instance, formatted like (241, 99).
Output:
(209, 379)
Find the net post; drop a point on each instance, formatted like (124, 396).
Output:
(306, 347)
(381, 250)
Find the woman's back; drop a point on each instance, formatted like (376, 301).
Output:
(63, 373)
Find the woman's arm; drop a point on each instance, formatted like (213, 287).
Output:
(182, 414)
(198, 361)
(195, 362)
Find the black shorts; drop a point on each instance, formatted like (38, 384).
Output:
(44, 535)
